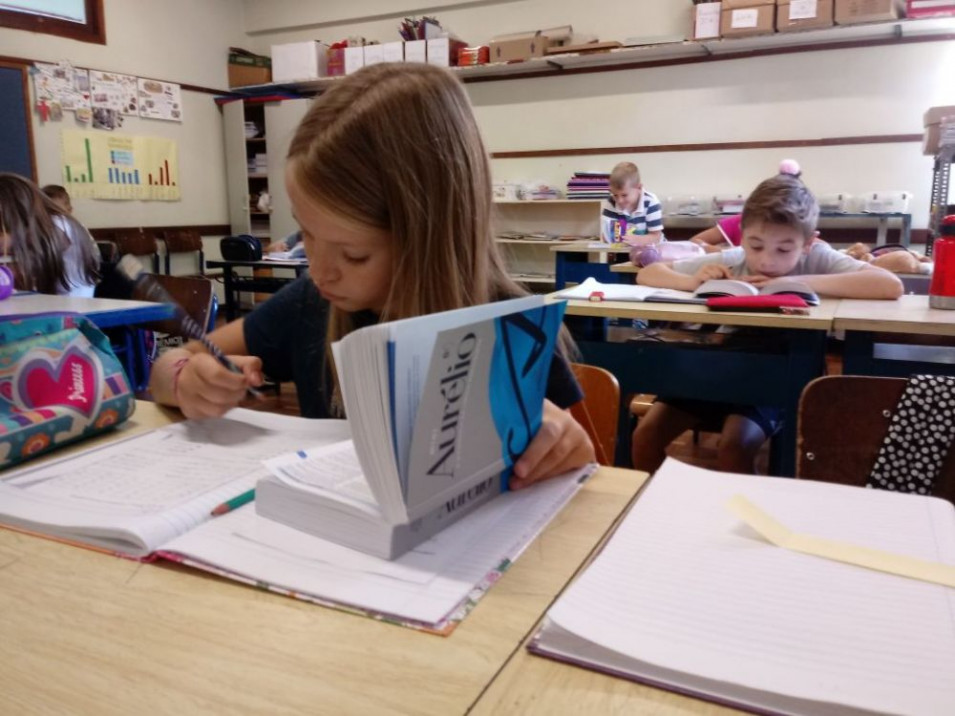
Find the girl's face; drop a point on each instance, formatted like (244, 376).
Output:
(351, 265)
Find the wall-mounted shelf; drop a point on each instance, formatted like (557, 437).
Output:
(672, 53)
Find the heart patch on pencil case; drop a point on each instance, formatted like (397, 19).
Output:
(59, 382)
(776, 303)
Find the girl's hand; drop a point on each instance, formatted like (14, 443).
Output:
(560, 445)
(710, 272)
(207, 389)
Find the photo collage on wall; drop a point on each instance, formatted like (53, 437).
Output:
(102, 99)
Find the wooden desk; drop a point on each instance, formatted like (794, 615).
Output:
(862, 321)
(233, 284)
(82, 632)
(770, 374)
(531, 684)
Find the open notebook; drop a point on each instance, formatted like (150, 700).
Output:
(150, 496)
(687, 597)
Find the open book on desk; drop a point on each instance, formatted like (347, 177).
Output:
(441, 406)
(591, 289)
(686, 596)
(150, 496)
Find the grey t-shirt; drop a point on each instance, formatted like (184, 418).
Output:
(821, 259)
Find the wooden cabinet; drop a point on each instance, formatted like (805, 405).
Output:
(274, 124)
(527, 230)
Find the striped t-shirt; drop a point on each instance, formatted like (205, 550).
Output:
(615, 224)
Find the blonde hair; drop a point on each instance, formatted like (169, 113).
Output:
(624, 174)
(396, 147)
(784, 200)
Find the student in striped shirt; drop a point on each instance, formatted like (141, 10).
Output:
(631, 214)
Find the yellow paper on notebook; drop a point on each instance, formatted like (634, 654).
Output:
(781, 536)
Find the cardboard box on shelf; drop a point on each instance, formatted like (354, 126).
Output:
(518, 46)
(299, 61)
(248, 69)
(929, 8)
(393, 51)
(803, 14)
(852, 12)
(416, 51)
(742, 18)
(354, 59)
(706, 21)
(443, 51)
(373, 54)
(932, 120)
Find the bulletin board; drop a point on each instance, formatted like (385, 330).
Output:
(16, 149)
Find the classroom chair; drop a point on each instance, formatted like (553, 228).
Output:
(599, 411)
(183, 241)
(196, 296)
(841, 424)
(138, 242)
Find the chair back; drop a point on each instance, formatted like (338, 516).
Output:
(842, 422)
(194, 294)
(599, 411)
(137, 242)
(180, 241)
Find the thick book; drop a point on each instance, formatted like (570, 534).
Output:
(779, 287)
(151, 496)
(441, 406)
(687, 596)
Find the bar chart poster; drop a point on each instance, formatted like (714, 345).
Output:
(111, 166)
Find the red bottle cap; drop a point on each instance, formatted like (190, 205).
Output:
(948, 226)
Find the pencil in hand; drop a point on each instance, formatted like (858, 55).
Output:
(150, 289)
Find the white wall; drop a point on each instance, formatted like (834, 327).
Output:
(180, 41)
(858, 92)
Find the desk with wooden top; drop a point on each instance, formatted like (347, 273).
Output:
(84, 632)
(770, 372)
(918, 334)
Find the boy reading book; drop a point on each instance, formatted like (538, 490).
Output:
(778, 223)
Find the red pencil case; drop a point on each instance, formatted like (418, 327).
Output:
(777, 303)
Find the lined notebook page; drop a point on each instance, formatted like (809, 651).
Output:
(425, 584)
(685, 586)
(151, 487)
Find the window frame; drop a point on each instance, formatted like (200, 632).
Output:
(93, 30)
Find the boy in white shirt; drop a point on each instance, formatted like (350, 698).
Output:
(631, 214)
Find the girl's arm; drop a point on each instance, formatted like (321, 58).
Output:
(560, 445)
(867, 282)
(711, 239)
(197, 383)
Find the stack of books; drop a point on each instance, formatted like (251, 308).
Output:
(588, 186)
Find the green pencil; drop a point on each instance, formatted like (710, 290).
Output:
(234, 503)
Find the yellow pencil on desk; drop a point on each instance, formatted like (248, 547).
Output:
(234, 504)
